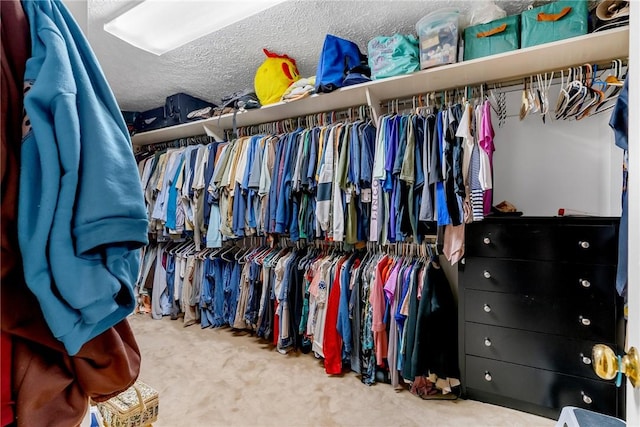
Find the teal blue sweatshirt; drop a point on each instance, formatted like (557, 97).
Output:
(81, 214)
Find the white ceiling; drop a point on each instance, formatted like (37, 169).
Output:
(225, 61)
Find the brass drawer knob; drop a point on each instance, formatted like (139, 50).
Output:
(487, 308)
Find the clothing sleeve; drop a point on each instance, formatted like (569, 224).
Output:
(486, 130)
(81, 210)
(337, 218)
(256, 166)
(110, 208)
(619, 120)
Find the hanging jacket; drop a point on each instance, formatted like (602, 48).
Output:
(435, 345)
(81, 213)
(325, 183)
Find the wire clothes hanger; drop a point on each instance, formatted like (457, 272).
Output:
(289, 125)
(611, 86)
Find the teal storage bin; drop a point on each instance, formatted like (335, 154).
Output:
(554, 21)
(393, 56)
(499, 36)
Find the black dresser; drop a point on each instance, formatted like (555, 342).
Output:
(535, 295)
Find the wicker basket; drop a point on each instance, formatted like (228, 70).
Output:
(135, 407)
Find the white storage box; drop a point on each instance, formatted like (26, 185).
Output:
(438, 32)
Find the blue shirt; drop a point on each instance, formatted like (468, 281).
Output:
(239, 211)
(353, 171)
(313, 158)
(367, 150)
(620, 124)
(418, 128)
(172, 201)
(283, 211)
(81, 212)
(442, 214)
(402, 144)
(193, 157)
(272, 202)
(343, 325)
(391, 144)
(208, 173)
(251, 179)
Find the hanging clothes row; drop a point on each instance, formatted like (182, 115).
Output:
(145, 151)
(435, 165)
(387, 317)
(310, 121)
(346, 182)
(261, 184)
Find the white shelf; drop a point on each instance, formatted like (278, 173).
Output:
(589, 48)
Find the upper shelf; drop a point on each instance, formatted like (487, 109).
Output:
(589, 48)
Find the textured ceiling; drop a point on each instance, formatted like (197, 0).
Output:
(225, 61)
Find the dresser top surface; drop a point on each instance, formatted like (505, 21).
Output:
(550, 220)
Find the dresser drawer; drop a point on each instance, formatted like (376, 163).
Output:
(544, 351)
(542, 313)
(552, 241)
(540, 387)
(539, 277)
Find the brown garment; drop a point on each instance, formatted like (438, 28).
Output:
(422, 387)
(50, 388)
(13, 26)
(16, 49)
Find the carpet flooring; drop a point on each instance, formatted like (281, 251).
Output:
(218, 377)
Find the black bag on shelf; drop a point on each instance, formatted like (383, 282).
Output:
(150, 120)
(178, 106)
(246, 99)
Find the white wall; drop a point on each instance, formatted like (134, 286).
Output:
(540, 168)
(561, 164)
(78, 9)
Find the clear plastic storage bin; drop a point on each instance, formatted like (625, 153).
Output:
(438, 32)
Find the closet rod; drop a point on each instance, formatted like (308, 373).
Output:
(515, 83)
(290, 124)
(404, 104)
(318, 118)
(310, 120)
(602, 66)
(176, 143)
(284, 241)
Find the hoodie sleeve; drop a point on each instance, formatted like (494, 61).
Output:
(110, 207)
(81, 209)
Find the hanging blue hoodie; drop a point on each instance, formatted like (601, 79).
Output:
(81, 214)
